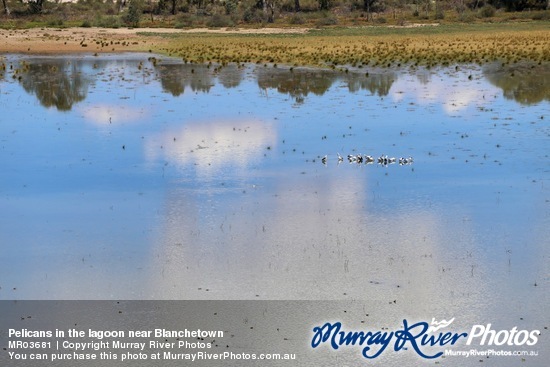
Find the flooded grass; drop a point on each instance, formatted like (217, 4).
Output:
(369, 47)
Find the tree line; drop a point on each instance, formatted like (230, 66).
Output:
(266, 10)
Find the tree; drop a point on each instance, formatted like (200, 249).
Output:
(525, 87)
(175, 78)
(35, 6)
(174, 6)
(298, 84)
(271, 10)
(373, 6)
(458, 5)
(56, 84)
(135, 9)
(324, 4)
(268, 7)
(427, 4)
(519, 5)
(121, 4)
(367, 5)
(6, 9)
(395, 6)
(376, 84)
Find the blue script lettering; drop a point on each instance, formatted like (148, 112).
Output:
(442, 339)
(339, 338)
(405, 335)
(414, 335)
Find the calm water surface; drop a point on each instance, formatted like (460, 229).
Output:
(126, 179)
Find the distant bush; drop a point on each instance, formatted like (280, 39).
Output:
(185, 20)
(252, 14)
(353, 5)
(108, 22)
(466, 17)
(287, 6)
(306, 6)
(326, 20)
(487, 11)
(324, 4)
(219, 20)
(541, 15)
(296, 19)
(55, 23)
(86, 24)
(310, 5)
(230, 6)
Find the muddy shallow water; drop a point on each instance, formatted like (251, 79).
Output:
(126, 177)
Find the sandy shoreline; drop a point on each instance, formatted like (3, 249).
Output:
(78, 39)
(67, 40)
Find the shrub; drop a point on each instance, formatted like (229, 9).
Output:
(487, 11)
(466, 17)
(253, 15)
(55, 23)
(309, 5)
(108, 22)
(185, 20)
(326, 20)
(296, 19)
(353, 5)
(541, 15)
(324, 4)
(218, 20)
(230, 6)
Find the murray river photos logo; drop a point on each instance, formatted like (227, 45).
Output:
(426, 339)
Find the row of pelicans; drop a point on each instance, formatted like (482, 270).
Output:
(367, 159)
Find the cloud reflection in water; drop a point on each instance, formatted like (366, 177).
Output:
(105, 114)
(209, 145)
(454, 95)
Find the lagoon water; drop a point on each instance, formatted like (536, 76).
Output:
(126, 177)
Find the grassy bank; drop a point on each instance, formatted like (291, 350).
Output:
(379, 46)
(336, 47)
